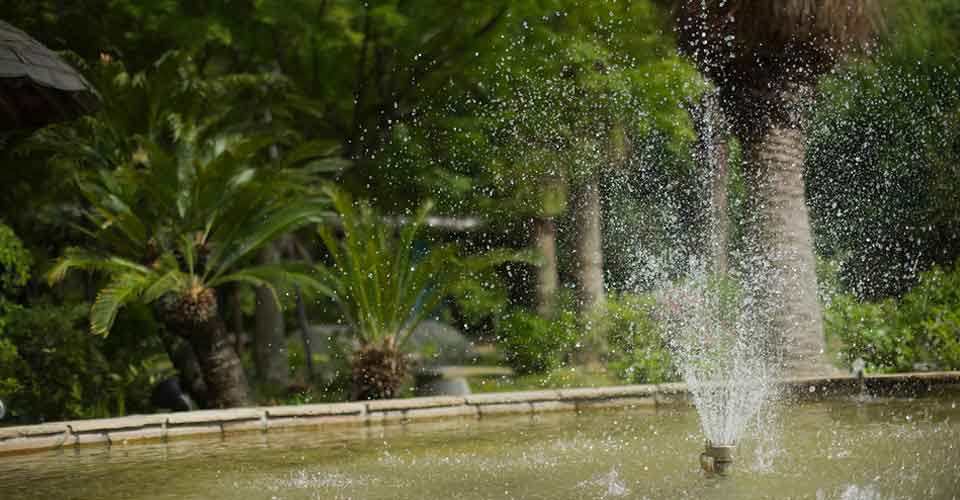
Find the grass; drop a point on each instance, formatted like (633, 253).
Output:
(562, 378)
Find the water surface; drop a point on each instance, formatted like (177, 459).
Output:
(874, 449)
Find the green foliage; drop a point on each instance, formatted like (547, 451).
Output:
(638, 353)
(533, 344)
(383, 290)
(922, 329)
(9, 383)
(634, 348)
(15, 262)
(883, 200)
(178, 222)
(57, 370)
(567, 377)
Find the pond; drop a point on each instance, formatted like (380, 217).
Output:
(877, 448)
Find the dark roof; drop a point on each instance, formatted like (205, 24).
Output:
(36, 85)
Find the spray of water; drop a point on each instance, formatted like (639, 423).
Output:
(722, 352)
(718, 323)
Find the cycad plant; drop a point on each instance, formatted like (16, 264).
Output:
(765, 57)
(384, 289)
(170, 228)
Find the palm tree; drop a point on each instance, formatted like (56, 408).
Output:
(765, 57)
(383, 291)
(173, 228)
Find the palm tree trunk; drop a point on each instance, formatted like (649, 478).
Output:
(378, 370)
(782, 268)
(304, 324)
(236, 318)
(270, 341)
(227, 385)
(545, 242)
(589, 259)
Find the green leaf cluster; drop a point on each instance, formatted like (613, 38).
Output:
(919, 331)
(534, 344)
(382, 284)
(181, 221)
(58, 371)
(638, 353)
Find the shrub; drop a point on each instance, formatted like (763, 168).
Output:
(533, 344)
(52, 368)
(637, 351)
(61, 371)
(922, 329)
(15, 264)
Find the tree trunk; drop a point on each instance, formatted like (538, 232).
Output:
(188, 368)
(227, 385)
(545, 243)
(295, 248)
(589, 259)
(378, 371)
(235, 313)
(304, 324)
(782, 267)
(270, 341)
(719, 208)
(713, 153)
(593, 344)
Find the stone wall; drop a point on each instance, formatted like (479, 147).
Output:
(329, 417)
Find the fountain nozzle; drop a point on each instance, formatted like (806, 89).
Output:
(717, 459)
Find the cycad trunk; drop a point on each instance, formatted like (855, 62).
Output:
(783, 266)
(223, 373)
(378, 371)
(545, 242)
(270, 341)
(184, 359)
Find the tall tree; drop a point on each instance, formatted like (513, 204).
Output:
(766, 57)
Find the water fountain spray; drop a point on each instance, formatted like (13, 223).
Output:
(718, 341)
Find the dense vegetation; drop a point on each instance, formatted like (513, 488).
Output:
(277, 194)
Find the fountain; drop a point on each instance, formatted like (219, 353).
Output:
(725, 325)
(732, 347)
(719, 342)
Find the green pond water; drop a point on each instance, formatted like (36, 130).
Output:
(873, 449)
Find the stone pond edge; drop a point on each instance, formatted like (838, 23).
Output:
(329, 416)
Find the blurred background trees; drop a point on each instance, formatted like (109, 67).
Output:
(551, 125)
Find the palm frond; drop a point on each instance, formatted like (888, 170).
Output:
(77, 258)
(727, 37)
(171, 281)
(274, 276)
(188, 250)
(383, 288)
(260, 230)
(122, 290)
